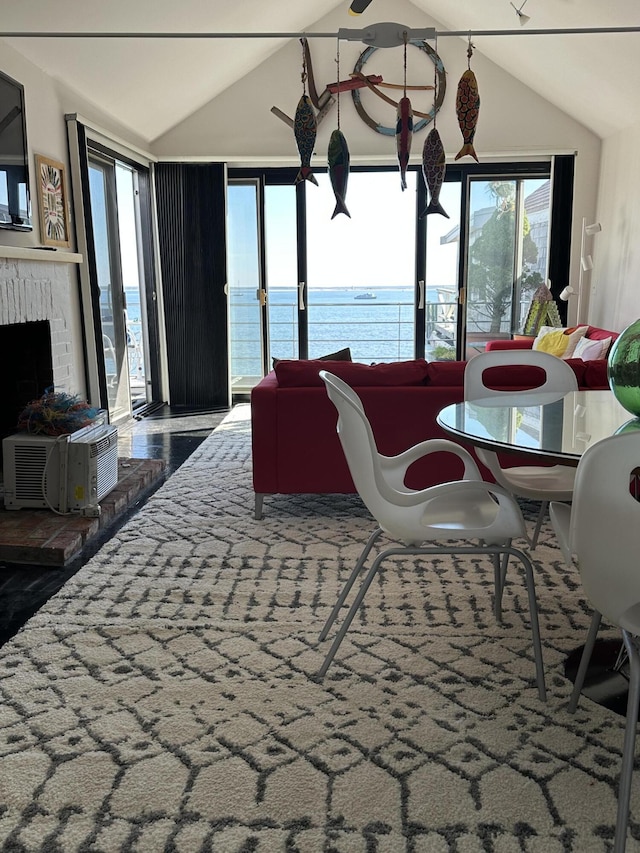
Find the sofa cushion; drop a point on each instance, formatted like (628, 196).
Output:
(446, 373)
(340, 355)
(560, 342)
(300, 374)
(451, 374)
(591, 350)
(595, 374)
(596, 334)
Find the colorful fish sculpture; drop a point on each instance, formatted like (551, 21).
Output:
(305, 127)
(467, 110)
(433, 169)
(404, 134)
(338, 158)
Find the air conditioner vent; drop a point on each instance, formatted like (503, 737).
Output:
(98, 447)
(78, 472)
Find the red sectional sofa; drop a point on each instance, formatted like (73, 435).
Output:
(296, 449)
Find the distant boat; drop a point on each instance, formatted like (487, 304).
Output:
(367, 295)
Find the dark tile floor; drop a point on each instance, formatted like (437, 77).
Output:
(170, 434)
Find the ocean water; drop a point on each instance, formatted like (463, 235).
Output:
(375, 329)
(378, 329)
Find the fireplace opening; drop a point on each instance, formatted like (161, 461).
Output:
(26, 356)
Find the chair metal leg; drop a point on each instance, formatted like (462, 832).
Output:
(493, 550)
(535, 625)
(500, 574)
(258, 506)
(587, 651)
(366, 583)
(347, 587)
(497, 604)
(624, 794)
(538, 527)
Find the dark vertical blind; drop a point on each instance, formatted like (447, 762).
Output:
(561, 219)
(192, 246)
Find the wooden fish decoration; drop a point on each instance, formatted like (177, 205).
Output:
(467, 110)
(305, 128)
(433, 169)
(404, 134)
(338, 159)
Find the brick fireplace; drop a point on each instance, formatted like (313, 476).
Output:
(39, 330)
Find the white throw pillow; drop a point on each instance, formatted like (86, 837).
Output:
(556, 340)
(589, 350)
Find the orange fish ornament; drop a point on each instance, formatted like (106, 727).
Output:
(467, 110)
(404, 134)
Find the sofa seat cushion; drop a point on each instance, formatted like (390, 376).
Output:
(303, 374)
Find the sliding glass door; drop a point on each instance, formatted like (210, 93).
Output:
(439, 286)
(112, 300)
(262, 277)
(508, 224)
(385, 282)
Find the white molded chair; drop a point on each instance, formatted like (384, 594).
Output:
(450, 513)
(601, 532)
(537, 482)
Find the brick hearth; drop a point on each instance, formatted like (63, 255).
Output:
(42, 538)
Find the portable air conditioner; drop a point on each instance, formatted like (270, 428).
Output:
(68, 474)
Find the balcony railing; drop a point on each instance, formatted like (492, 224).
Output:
(375, 332)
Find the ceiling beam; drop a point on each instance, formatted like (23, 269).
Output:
(290, 35)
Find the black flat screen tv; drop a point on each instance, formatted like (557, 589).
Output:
(15, 200)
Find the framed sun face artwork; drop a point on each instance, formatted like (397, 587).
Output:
(52, 199)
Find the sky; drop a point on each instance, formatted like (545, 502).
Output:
(374, 248)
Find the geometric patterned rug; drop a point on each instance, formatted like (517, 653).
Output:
(165, 699)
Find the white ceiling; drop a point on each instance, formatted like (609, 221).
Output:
(150, 85)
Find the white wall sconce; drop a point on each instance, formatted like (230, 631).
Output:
(567, 293)
(586, 265)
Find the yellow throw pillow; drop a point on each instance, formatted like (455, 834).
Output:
(557, 342)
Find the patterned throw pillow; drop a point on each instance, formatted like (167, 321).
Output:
(560, 342)
(589, 350)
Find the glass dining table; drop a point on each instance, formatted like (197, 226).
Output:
(556, 431)
(538, 426)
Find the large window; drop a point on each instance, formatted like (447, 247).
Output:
(384, 282)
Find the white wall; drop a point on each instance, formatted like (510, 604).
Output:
(615, 278)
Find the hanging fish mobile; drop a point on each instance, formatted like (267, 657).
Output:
(305, 128)
(433, 170)
(468, 109)
(404, 135)
(338, 159)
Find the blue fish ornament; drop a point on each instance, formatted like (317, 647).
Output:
(338, 159)
(305, 127)
(433, 169)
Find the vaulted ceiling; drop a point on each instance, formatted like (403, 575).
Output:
(150, 85)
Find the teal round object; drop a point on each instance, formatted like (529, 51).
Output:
(629, 426)
(623, 368)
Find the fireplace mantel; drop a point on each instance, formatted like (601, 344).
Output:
(32, 254)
